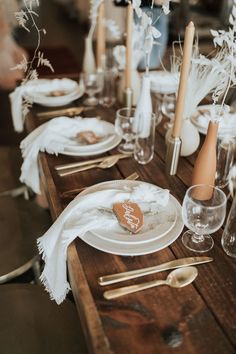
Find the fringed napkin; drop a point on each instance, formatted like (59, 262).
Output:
(83, 215)
(36, 91)
(52, 137)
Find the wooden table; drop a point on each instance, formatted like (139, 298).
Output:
(199, 318)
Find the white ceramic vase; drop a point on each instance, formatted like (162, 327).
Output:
(190, 138)
(89, 64)
(135, 85)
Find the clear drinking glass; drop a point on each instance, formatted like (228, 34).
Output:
(225, 159)
(165, 107)
(124, 127)
(92, 84)
(228, 239)
(144, 141)
(203, 212)
(107, 97)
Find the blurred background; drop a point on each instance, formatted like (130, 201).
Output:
(67, 23)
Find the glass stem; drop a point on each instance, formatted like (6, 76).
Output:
(197, 238)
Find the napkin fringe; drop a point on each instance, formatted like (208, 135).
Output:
(45, 282)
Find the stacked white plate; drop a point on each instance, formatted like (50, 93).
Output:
(164, 82)
(102, 129)
(205, 113)
(160, 229)
(52, 93)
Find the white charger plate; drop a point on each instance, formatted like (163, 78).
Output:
(133, 248)
(76, 151)
(72, 92)
(104, 129)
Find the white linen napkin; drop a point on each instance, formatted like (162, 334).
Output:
(80, 216)
(52, 137)
(36, 88)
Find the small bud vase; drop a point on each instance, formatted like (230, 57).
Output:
(89, 65)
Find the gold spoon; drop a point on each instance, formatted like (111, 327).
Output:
(106, 163)
(178, 278)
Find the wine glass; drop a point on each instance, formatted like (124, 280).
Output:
(92, 85)
(203, 212)
(124, 128)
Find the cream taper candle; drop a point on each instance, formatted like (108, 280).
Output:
(129, 28)
(187, 55)
(101, 40)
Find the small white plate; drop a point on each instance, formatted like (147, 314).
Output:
(39, 90)
(155, 226)
(164, 82)
(100, 128)
(76, 151)
(203, 115)
(154, 244)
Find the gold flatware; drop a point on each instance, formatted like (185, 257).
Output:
(88, 162)
(106, 163)
(177, 263)
(131, 177)
(178, 278)
(69, 112)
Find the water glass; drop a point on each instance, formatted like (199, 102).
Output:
(145, 138)
(107, 97)
(92, 84)
(164, 106)
(124, 128)
(228, 239)
(225, 159)
(203, 212)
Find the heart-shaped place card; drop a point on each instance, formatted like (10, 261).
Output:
(129, 215)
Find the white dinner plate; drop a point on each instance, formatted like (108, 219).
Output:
(102, 129)
(154, 244)
(164, 82)
(76, 151)
(39, 90)
(203, 115)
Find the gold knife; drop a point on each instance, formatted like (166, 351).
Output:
(177, 263)
(71, 111)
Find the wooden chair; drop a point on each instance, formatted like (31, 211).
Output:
(21, 221)
(31, 323)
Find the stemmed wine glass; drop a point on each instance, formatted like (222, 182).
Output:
(203, 212)
(92, 85)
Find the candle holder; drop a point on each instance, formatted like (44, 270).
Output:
(172, 155)
(128, 97)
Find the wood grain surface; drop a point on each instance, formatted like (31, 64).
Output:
(197, 319)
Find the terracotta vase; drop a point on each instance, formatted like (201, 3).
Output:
(204, 170)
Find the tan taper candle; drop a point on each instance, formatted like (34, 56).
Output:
(187, 55)
(101, 40)
(129, 28)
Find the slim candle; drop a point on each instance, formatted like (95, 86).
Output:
(129, 28)
(187, 54)
(101, 42)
